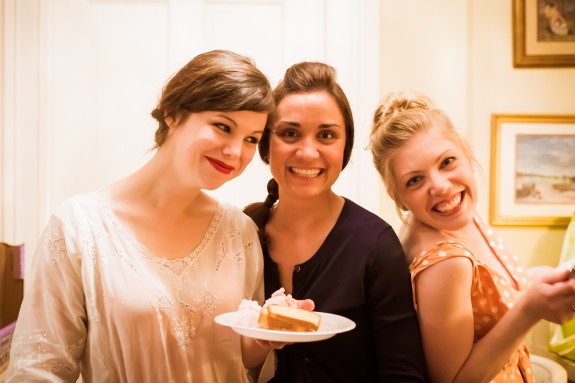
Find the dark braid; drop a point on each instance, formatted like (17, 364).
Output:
(273, 194)
(260, 212)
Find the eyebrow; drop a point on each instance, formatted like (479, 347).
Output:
(298, 125)
(229, 119)
(282, 122)
(437, 160)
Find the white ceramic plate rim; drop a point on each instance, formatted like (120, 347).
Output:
(331, 324)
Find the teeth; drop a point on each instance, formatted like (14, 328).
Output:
(306, 172)
(445, 208)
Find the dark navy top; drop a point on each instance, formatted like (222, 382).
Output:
(360, 272)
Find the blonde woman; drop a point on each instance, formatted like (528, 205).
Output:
(474, 299)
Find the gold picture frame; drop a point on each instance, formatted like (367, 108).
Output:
(532, 170)
(543, 34)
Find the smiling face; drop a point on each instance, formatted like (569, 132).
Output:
(211, 148)
(435, 180)
(307, 144)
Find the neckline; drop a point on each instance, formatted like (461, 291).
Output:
(176, 265)
(315, 257)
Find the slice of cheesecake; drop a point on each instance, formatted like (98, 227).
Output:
(278, 317)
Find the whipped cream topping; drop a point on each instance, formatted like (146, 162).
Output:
(249, 311)
(280, 298)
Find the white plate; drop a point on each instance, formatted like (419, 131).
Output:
(330, 325)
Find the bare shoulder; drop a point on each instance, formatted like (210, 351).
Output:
(416, 238)
(451, 279)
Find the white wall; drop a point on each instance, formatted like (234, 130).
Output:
(81, 77)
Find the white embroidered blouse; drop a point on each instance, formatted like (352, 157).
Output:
(100, 304)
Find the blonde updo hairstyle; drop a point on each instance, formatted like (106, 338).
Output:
(399, 117)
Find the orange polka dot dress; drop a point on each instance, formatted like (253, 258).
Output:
(491, 295)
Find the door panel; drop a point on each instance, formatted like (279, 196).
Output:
(81, 78)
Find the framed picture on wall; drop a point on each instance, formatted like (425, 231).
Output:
(532, 170)
(543, 33)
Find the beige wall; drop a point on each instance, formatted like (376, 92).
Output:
(460, 53)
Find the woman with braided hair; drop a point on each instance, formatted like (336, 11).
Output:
(324, 247)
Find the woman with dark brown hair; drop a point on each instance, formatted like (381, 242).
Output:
(324, 247)
(127, 280)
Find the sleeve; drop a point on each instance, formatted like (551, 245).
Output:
(254, 263)
(399, 349)
(51, 328)
(439, 252)
(255, 291)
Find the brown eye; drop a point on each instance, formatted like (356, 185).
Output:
(223, 127)
(447, 161)
(327, 135)
(412, 181)
(252, 140)
(288, 134)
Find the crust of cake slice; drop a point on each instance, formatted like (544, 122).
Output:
(278, 317)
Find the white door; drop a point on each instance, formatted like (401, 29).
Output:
(80, 78)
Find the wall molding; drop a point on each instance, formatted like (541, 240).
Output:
(7, 98)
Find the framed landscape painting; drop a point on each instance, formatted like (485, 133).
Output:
(532, 170)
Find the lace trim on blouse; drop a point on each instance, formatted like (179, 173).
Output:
(176, 266)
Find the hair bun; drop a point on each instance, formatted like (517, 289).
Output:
(399, 102)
